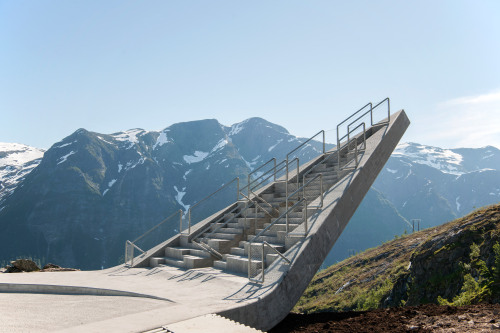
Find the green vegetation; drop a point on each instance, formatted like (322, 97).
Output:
(456, 263)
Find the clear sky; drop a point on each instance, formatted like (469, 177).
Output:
(109, 66)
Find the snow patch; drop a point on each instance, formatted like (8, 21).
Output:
(130, 136)
(111, 182)
(443, 160)
(64, 158)
(65, 145)
(391, 170)
(104, 140)
(131, 164)
(458, 204)
(221, 144)
(187, 173)
(120, 167)
(162, 139)
(274, 146)
(15, 154)
(236, 128)
(179, 196)
(198, 156)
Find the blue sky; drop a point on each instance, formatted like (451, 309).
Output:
(109, 66)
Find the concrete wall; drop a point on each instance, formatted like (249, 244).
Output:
(340, 204)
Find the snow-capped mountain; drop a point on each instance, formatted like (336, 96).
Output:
(78, 202)
(437, 184)
(432, 184)
(16, 161)
(93, 191)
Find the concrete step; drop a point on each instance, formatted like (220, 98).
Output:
(279, 227)
(220, 264)
(291, 220)
(220, 235)
(234, 225)
(239, 264)
(220, 245)
(177, 252)
(191, 261)
(269, 239)
(228, 230)
(257, 246)
(237, 251)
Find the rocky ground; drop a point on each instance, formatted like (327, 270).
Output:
(423, 318)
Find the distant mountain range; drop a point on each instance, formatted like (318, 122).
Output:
(91, 192)
(78, 202)
(428, 183)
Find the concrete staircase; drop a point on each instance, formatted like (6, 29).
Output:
(225, 244)
(279, 235)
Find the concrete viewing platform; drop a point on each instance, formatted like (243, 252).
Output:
(121, 299)
(262, 270)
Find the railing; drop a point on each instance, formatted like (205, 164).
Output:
(130, 246)
(263, 260)
(237, 180)
(251, 182)
(352, 127)
(260, 234)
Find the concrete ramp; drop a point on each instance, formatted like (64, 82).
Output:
(268, 303)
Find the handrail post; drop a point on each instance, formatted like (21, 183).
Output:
(189, 221)
(298, 171)
(237, 188)
(323, 141)
(305, 222)
(248, 186)
(180, 221)
(249, 260)
(286, 194)
(263, 262)
(274, 169)
(321, 188)
(388, 109)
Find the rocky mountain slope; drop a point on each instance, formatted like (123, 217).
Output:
(432, 184)
(16, 161)
(455, 263)
(93, 191)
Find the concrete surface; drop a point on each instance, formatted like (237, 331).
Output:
(286, 283)
(123, 299)
(87, 301)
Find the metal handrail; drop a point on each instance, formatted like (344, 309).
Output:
(208, 248)
(220, 226)
(303, 143)
(351, 116)
(272, 175)
(255, 171)
(127, 243)
(286, 179)
(264, 230)
(237, 180)
(354, 129)
(264, 244)
(256, 196)
(348, 144)
(388, 108)
(257, 205)
(304, 186)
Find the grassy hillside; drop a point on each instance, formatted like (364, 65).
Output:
(455, 263)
